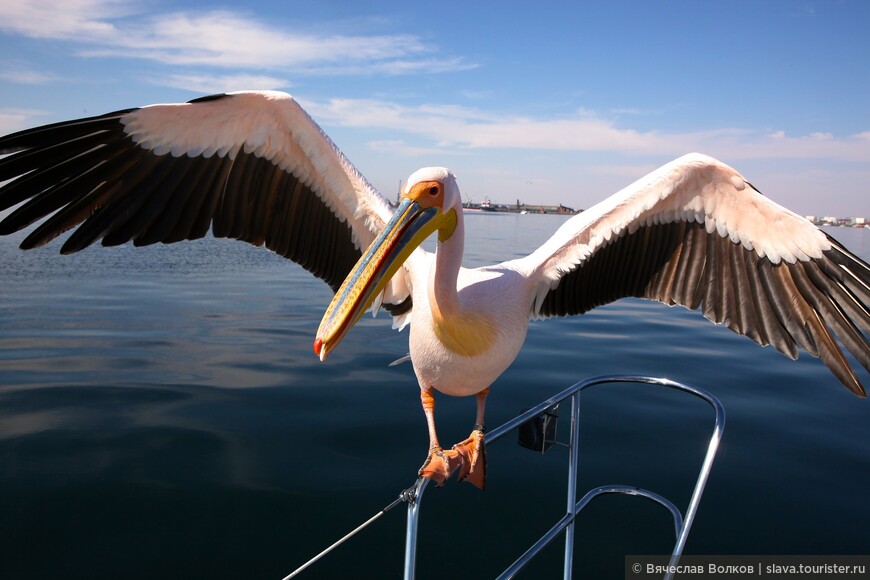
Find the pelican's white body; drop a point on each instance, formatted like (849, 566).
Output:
(499, 291)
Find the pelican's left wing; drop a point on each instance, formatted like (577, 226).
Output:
(695, 233)
(250, 165)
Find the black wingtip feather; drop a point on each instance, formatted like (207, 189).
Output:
(208, 98)
(47, 135)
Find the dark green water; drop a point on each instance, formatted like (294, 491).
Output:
(162, 416)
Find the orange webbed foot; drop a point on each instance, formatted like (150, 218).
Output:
(440, 465)
(472, 451)
(468, 456)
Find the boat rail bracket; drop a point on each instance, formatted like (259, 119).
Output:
(409, 495)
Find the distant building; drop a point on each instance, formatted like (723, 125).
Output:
(849, 222)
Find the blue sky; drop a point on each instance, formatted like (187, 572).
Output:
(548, 102)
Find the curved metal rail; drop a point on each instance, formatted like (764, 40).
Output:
(682, 524)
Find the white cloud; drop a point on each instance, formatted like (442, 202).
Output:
(209, 84)
(464, 127)
(215, 38)
(401, 148)
(68, 20)
(390, 67)
(24, 76)
(224, 39)
(632, 111)
(17, 119)
(627, 171)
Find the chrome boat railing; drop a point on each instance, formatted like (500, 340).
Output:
(682, 523)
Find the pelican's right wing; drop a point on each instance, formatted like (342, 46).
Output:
(695, 233)
(250, 165)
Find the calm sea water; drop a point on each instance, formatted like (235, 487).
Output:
(162, 416)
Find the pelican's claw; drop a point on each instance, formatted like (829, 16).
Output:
(440, 465)
(468, 456)
(472, 451)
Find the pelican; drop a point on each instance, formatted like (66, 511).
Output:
(255, 167)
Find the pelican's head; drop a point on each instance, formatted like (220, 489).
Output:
(430, 202)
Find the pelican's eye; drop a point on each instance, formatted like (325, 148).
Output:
(429, 193)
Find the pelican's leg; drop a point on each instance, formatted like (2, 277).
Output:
(473, 450)
(439, 464)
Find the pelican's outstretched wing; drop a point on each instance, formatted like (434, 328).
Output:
(249, 165)
(695, 233)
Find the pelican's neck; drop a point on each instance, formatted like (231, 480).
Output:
(459, 327)
(443, 295)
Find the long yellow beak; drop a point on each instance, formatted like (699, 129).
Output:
(410, 226)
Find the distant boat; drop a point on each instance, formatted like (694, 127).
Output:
(486, 205)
